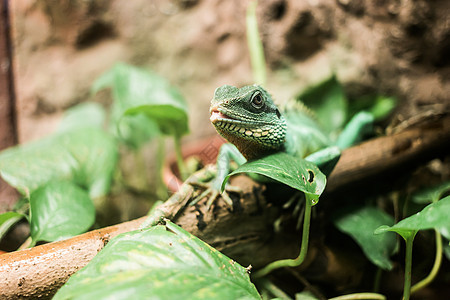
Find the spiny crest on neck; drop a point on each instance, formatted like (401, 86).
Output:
(248, 118)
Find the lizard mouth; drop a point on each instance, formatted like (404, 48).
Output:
(217, 116)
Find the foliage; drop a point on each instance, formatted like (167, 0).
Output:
(360, 223)
(137, 91)
(86, 156)
(145, 106)
(434, 215)
(59, 210)
(292, 171)
(61, 174)
(160, 262)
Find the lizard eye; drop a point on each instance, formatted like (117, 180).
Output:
(257, 100)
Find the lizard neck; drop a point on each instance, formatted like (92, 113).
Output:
(251, 148)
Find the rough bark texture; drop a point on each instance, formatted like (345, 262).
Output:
(40, 271)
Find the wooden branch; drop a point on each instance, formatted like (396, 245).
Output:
(389, 155)
(39, 271)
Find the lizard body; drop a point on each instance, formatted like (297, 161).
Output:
(248, 118)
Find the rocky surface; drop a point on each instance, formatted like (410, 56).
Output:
(393, 47)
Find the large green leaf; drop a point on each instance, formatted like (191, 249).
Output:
(138, 91)
(360, 225)
(292, 171)
(160, 262)
(134, 130)
(87, 156)
(435, 215)
(59, 210)
(96, 154)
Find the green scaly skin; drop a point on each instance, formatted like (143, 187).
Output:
(249, 119)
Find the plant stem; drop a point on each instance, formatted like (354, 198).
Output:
(179, 157)
(408, 262)
(140, 169)
(437, 263)
(27, 244)
(303, 248)
(255, 46)
(161, 191)
(376, 284)
(272, 288)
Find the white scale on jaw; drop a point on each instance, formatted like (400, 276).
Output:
(224, 121)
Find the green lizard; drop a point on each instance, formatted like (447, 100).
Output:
(248, 118)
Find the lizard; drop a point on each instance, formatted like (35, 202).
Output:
(248, 118)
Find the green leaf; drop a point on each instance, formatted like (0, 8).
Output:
(138, 91)
(379, 106)
(328, 101)
(360, 225)
(382, 106)
(7, 220)
(431, 194)
(96, 154)
(160, 262)
(88, 114)
(434, 215)
(87, 156)
(292, 171)
(60, 210)
(171, 119)
(134, 130)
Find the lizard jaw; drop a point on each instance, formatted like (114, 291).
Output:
(217, 115)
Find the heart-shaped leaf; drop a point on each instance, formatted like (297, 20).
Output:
(434, 215)
(160, 262)
(59, 210)
(88, 156)
(137, 91)
(292, 171)
(360, 224)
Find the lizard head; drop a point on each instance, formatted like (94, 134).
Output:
(248, 118)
